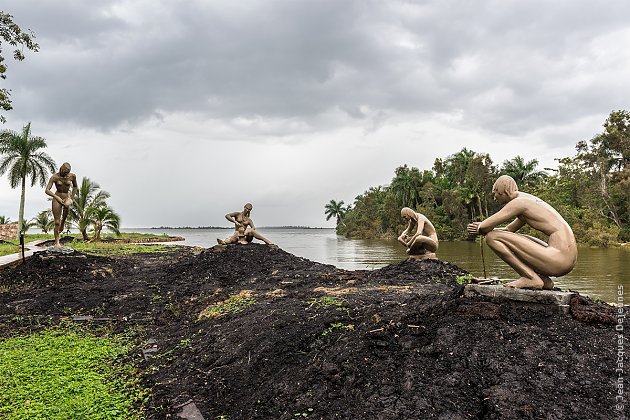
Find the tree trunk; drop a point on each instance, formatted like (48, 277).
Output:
(85, 235)
(21, 214)
(605, 197)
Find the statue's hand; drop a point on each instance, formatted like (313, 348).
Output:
(67, 202)
(473, 228)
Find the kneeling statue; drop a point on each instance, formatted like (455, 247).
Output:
(534, 260)
(420, 237)
(244, 229)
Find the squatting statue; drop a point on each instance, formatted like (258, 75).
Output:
(534, 260)
(420, 237)
(244, 229)
(61, 198)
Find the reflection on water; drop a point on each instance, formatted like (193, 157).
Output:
(598, 272)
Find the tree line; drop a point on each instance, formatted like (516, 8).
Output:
(591, 190)
(22, 158)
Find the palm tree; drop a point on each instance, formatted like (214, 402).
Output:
(89, 195)
(335, 209)
(4, 220)
(406, 186)
(524, 173)
(22, 158)
(43, 221)
(103, 217)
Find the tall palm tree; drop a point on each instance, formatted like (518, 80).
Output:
(524, 173)
(22, 158)
(89, 195)
(335, 209)
(103, 217)
(406, 186)
(43, 221)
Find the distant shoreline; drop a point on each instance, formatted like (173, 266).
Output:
(231, 227)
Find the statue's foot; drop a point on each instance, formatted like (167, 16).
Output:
(548, 283)
(526, 283)
(58, 245)
(220, 241)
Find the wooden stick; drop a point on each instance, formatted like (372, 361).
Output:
(483, 259)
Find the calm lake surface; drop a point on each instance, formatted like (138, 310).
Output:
(598, 272)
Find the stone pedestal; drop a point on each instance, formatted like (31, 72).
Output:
(552, 299)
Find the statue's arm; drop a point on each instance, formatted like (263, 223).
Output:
(509, 211)
(419, 230)
(231, 217)
(75, 187)
(515, 225)
(405, 234)
(49, 192)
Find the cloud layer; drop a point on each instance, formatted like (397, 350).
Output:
(305, 77)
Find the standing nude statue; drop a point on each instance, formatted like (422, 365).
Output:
(61, 199)
(420, 237)
(533, 259)
(244, 229)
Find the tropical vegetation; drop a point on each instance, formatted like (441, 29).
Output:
(590, 189)
(335, 209)
(12, 34)
(21, 157)
(44, 221)
(85, 210)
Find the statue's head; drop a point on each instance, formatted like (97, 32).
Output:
(247, 208)
(408, 213)
(504, 189)
(64, 169)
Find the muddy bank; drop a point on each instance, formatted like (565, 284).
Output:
(314, 341)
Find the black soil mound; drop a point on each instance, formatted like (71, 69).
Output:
(254, 332)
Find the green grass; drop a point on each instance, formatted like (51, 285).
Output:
(232, 305)
(63, 374)
(112, 248)
(13, 246)
(8, 248)
(327, 302)
(464, 279)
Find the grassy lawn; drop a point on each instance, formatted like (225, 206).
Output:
(8, 248)
(101, 248)
(112, 248)
(65, 374)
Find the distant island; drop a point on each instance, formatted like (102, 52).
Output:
(231, 227)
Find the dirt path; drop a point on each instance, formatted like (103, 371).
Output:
(319, 342)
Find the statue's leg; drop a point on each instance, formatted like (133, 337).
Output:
(530, 259)
(257, 235)
(422, 248)
(56, 211)
(64, 216)
(424, 242)
(231, 240)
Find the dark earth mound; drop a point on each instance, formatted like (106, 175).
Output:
(309, 340)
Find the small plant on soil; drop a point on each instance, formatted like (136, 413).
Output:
(337, 326)
(327, 302)
(464, 279)
(232, 305)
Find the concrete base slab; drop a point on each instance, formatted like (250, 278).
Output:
(559, 299)
(64, 250)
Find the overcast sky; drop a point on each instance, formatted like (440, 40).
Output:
(185, 110)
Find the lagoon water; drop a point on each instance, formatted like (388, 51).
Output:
(599, 272)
